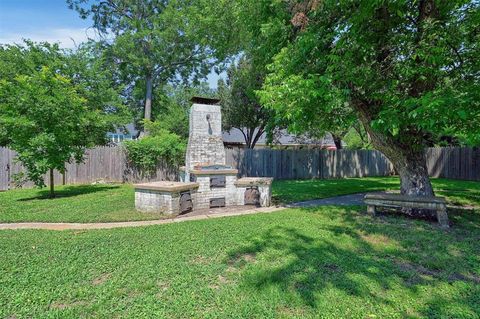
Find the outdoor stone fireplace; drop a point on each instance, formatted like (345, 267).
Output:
(208, 181)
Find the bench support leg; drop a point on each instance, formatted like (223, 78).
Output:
(371, 210)
(442, 218)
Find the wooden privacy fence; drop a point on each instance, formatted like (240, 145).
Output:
(110, 164)
(101, 163)
(302, 164)
(455, 163)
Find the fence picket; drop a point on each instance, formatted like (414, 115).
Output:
(110, 164)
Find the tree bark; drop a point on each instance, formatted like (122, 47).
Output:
(259, 133)
(338, 141)
(410, 165)
(414, 179)
(148, 102)
(52, 184)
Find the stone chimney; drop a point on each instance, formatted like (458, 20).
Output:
(205, 142)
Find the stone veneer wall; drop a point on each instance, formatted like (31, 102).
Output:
(155, 201)
(265, 194)
(205, 143)
(205, 193)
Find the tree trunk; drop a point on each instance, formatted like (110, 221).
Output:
(52, 184)
(407, 159)
(414, 179)
(410, 165)
(338, 141)
(148, 102)
(259, 134)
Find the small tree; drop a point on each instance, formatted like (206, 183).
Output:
(240, 105)
(49, 111)
(48, 122)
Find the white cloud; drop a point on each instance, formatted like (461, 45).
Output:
(67, 37)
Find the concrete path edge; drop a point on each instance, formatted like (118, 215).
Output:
(351, 199)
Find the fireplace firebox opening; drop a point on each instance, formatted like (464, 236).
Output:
(186, 204)
(217, 202)
(252, 196)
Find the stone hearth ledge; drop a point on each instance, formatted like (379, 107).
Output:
(166, 186)
(211, 171)
(253, 181)
(163, 197)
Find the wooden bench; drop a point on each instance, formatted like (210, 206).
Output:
(437, 204)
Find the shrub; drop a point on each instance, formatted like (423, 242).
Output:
(146, 153)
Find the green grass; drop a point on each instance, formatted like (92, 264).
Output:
(106, 203)
(326, 263)
(457, 192)
(80, 203)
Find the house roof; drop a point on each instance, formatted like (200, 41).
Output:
(235, 136)
(129, 129)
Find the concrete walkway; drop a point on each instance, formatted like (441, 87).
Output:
(344, 200)
(109, 225)
(354, 199)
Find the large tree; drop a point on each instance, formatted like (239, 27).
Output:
(153, 41)
(408, 70)
(53, 105)
(173, 104)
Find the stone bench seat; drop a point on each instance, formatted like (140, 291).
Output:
(437, 204)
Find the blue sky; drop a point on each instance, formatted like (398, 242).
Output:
(47, 20)
(41, 20)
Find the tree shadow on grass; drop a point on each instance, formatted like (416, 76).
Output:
(365, 257)
(70, 191)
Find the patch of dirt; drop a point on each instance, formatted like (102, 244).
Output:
(287, 312)
(242, 259)
(460, 277)
(408, 267)
(221, 281)
(163, 286)
(64, 305)
(420, 270)
(375, 239)
(331, 268)
(231, 269)
(214, 287)
(201, 260)
(100, 280)
(419, 273)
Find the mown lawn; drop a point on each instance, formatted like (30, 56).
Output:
(457, 192)
(328, 262)
(104, 203)
(79, 203)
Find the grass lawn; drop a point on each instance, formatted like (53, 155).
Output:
(326, 263)
(79, 203)
(462, 193)
(104, 203)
